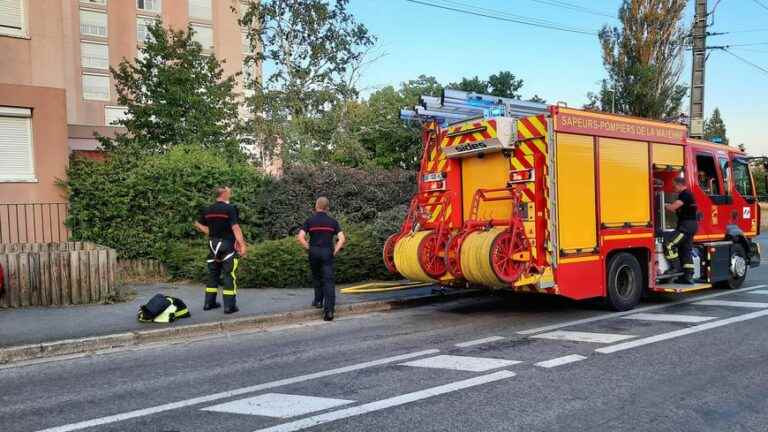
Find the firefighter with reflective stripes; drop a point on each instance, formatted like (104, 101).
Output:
(680, 246)
(321, 229)
(220, 222)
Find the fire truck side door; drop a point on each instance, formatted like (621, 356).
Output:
(714, 205)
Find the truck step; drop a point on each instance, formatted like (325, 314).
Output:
(680, 288)
(668, 276)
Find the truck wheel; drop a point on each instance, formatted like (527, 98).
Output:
(625, 282)
(737, 268)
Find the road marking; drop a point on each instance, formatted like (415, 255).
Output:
(332, 416)
(681, 332)
(555, 362)
(461, 363)
(278, 405)
(759, 292)
(754, 305)
(576, 336)
(232, 393)
(642, 309)
(669, 317)
(480, 341)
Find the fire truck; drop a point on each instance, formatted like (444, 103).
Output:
(549, 199)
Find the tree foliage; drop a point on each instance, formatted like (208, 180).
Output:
(502, 84)
(643, 59)
(175, 94)
(714, 128)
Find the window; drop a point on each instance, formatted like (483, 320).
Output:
(96, 87)
(707, 174)
(95, 2)
(149, 5)
(94, 55)
(12, 17)
(93, 23)
(203, 35)
(743, 179)
(200, 9)
(725, 169)
(142, 28)
(16, 163)
(113, 114)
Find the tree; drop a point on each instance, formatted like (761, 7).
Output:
(536, 98)
(502, 84)
(714, 128)
(174, 94)
(310, 46)
(643, 60)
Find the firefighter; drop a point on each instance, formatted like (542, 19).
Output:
(321, 229)
(220, 222)
(679, 248)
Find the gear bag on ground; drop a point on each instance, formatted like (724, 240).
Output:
(163, 309)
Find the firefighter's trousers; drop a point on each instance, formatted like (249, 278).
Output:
(222, 271)
(322, 266)
(678, 249)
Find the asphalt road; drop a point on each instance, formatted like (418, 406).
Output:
(502, 363)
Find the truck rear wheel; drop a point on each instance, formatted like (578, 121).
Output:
(625, 282)
(737, 268)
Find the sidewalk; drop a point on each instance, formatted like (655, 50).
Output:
(36, 325)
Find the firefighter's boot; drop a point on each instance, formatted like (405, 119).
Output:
(210, 299)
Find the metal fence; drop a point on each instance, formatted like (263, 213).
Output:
(33, 222)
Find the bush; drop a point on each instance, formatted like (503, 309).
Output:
(358, 195)
(141, 207)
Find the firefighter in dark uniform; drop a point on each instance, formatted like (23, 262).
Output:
(220, 222)
(679, 248)
(321, 229)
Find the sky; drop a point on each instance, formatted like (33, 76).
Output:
(563, 66)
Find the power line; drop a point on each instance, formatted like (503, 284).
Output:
(504, 14)
(534, 22)
(756, 66)
(761, 4)
(574, 7)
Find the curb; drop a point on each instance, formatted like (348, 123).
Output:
(92, 344)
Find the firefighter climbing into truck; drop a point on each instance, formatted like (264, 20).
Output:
(528, 197)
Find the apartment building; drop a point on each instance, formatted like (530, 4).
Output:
(55, 87)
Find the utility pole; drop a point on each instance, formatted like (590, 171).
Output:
(699, 39)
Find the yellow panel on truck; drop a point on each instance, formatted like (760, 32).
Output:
(624, 183)
(489, 171)
(576, 211)
(667, 155)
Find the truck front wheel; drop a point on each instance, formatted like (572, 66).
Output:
(737, 268)
(625, 282)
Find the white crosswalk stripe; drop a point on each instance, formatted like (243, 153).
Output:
(480, 341)
(577, 336)
(758, 292)
(669, 317)
(461, 363)
(555, 362)
(278, 405)
(742, 304)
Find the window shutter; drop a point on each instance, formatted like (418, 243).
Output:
(10, 14)
(93, 23)
(204, 36)
(16, 144)
(200, 9)
(96, 87)
(114, 114)
(94, 56)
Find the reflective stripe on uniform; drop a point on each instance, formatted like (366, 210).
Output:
(234, 276)
(212, 290)
(690, 266)
(181, 312)
(229, 292)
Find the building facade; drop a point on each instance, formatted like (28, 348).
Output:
(55, 86)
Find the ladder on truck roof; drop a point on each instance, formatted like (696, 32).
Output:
(456, 105)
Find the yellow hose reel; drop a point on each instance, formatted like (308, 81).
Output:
(407, 261)
(476, 258)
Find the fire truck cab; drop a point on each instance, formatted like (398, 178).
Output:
(528, 197)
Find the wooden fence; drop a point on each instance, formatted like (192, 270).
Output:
(52, 274)
(141, 270)
(33, 222)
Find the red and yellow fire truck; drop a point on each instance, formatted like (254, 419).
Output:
(571, 202)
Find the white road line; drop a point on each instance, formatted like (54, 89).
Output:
(555, 362)
(461, 363)
(754, 305)
(278, 405)
(237, 392)
(759, 292)
(576, 336)
(681, 332)
(669, 317)
(480, 341)
(332, 416)
(642, 309)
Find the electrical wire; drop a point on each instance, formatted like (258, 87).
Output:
(574, 7)
(761, 4)
(756, 66)
(494, 14)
